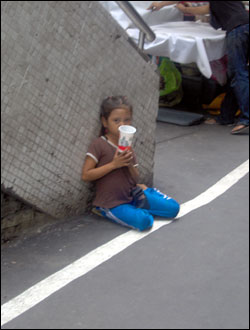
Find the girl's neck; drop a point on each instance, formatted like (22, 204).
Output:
(112, 139)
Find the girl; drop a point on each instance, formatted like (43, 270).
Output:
(118, 196)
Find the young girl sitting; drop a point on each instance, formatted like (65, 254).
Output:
(118, 196)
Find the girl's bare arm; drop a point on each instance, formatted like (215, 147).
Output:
(91, 173)
(134, 172)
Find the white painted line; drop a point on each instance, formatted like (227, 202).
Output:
(80, 267)
(216, 190)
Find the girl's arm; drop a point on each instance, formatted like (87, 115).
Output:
(91, 173)
(134, 172)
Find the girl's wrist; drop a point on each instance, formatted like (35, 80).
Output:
(112, 165)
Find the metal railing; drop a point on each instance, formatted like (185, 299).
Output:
(145, 31)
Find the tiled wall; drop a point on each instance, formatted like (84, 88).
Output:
(59, 60)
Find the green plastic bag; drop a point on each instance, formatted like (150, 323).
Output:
(171, 88)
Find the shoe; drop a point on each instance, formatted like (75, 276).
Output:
(239, 129)
(96, 211)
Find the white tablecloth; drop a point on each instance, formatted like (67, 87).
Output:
(186, 42)
(182, 41)
(166, 14)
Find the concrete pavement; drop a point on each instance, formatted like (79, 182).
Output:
(191, 274)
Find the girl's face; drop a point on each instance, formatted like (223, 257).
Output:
(117, 118)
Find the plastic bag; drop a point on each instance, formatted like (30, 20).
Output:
(171, 88)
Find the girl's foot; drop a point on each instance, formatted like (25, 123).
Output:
(142, 186)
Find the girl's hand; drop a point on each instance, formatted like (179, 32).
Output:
(122, 159)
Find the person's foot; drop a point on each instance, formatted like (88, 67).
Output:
(213, 121)
(210, 121)
(239, 129)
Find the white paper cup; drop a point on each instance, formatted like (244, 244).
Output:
(126, 137)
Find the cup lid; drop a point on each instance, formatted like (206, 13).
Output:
(127, 129)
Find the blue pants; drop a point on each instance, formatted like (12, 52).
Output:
(237, 95)
(130, 216)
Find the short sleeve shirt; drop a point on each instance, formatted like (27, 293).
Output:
(114, 188)
(228, 14)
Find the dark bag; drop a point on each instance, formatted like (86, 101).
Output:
(139, 198)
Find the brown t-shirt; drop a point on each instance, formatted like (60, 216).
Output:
(114, 188)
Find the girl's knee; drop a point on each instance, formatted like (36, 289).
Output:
(175, 208)
(129, 216)
(172, 208)
(144, 220)
(161, 204)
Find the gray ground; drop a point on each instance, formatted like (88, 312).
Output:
(191, 274)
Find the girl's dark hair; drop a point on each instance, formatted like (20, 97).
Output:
(111, 103)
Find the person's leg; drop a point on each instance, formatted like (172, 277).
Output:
(229, 107)
(129, 216)
(237, 48)
(161, 204)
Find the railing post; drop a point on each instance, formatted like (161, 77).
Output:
(145, 30)
(141, 40)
